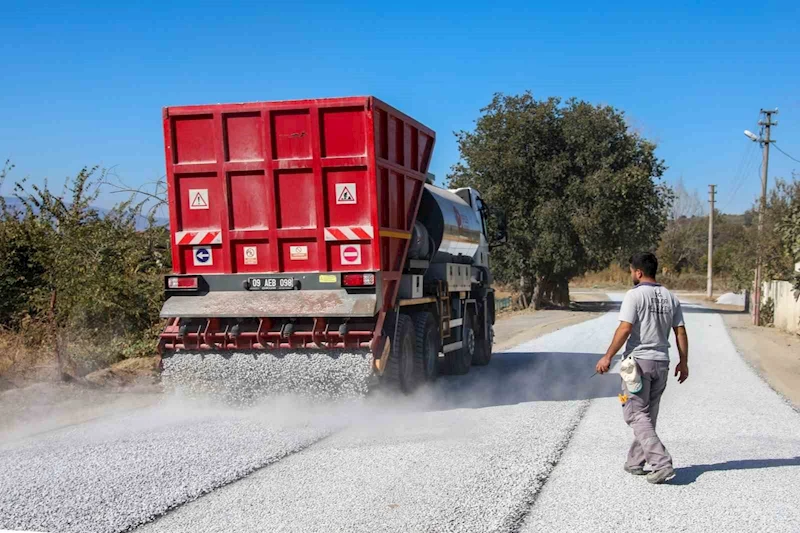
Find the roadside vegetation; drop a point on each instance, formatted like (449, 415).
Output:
(582, 191)
(683, 248)
(80, 290)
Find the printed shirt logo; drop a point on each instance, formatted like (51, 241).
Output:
(659, 304)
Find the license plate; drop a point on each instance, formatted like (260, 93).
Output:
(271, 284)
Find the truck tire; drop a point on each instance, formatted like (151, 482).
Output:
(483, 346)
(426, 350)
(458, 361)
(400, 366)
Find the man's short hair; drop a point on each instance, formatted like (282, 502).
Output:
(646, 262)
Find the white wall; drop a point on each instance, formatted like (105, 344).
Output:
(787, 308)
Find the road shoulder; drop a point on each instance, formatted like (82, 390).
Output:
(774, 354)
(512, 329)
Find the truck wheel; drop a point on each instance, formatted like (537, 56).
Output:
(426, 350)
(483, 347)
(458, 361)
(400, 366)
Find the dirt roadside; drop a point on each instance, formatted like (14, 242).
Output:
(512, 329)
(774, 354)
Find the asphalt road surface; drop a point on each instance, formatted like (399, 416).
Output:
(530, 443)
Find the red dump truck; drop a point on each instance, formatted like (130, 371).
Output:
(312, 228)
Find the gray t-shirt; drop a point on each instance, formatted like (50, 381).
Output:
(653, 311)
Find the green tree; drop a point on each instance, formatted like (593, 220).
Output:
(579, 188)
(774, 242)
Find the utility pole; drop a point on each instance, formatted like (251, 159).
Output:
(765, 141)
(710, 282)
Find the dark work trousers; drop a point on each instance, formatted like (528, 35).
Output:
(641, 412)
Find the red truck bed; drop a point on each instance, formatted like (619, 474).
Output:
(326, 185)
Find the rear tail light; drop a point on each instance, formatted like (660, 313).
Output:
(182, 283)
(358, 280)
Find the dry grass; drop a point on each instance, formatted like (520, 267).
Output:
(616, 277)
(25, 358)
(28, 354)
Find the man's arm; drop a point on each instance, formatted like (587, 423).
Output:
(620, 336)
(683, 351)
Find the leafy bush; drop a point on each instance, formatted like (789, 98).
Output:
(94, 280)
(767, 315)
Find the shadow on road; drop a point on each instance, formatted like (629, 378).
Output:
(689, 474)
(708, 310)
(602, 306)
(516, 377)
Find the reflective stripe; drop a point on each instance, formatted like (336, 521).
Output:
(198, 237)
(349, 233)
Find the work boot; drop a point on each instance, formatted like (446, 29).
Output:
(635, 470)
(660, 476)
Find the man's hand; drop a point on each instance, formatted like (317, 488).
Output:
(620, 336)
(603, 364)
(682, 371)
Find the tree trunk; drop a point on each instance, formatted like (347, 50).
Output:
(527, 285)
(561, 293)
(58, 348)
(54, 333)
(538, 293)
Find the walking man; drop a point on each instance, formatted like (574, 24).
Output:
(647, 314)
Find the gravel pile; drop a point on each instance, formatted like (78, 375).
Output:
(113, 474)
(731, 298)
(243, 377)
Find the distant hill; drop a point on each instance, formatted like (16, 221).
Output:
(141, 222)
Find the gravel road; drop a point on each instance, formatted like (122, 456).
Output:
(529, 443)
(735, 443)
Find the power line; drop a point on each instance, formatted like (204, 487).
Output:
(745, 171)
(784, 153)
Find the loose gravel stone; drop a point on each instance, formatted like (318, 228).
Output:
(112, 475)
(457, 470)
(244, 376)
(426, 463)
(731, 298)
(735, 443)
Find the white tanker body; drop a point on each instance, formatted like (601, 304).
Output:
(446, 289)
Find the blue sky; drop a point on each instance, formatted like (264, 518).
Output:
(84, 84)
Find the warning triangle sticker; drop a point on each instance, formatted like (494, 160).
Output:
(199, 201)
(345, 196)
